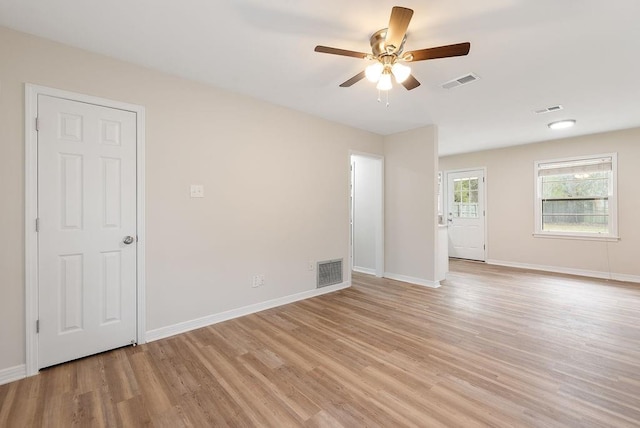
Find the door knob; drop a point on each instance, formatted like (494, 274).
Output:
(128, 240)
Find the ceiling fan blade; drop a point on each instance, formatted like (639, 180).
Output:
(398, 24)
(459, 49)
(358, 77)
(343, 52)
(411, 83)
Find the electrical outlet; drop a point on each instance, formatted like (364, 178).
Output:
(311, 266)
(196, 191)
(258, 281)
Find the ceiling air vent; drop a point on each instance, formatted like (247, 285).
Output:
(462, 80)
(329, 273)
(548, 109)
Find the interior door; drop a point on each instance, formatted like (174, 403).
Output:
(465, 214)
(86, 229)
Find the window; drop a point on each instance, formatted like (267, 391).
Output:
(577, 197)
(465, 198)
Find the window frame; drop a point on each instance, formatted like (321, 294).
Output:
(612, 201)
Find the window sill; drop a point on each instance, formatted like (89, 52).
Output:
(607, 238)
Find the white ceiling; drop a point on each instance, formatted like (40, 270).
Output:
(529, 54)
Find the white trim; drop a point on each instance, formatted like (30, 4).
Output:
(560, 235)
(141, 217)
(412, 280)
(31, 237)
(613, 201)
(12, 374)
(183, 327)
(349, 264)
(366, 271)
(568, 271)
(31, 210)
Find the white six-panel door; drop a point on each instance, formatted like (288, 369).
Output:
(466, 214)
(86, 211)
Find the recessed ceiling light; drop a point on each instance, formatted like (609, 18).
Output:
(562, 124)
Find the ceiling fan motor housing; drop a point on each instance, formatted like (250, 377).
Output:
(378, 42)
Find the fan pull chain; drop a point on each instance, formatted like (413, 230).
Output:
(380, 98)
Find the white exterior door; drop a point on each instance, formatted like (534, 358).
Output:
(465, 214)
(87, 229)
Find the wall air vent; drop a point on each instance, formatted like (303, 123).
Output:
(462, 80)
(548, 109)
(329, 273)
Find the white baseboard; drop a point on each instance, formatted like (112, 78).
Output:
(412, 280)
(569, 271)
(183, 327)
(13, 373)
(366, 271)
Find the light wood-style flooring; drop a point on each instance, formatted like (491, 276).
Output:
(492, 347)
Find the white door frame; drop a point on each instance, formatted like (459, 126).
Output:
(31, 210)
(380, 237)
(445, 199)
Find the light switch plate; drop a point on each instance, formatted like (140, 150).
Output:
(197, 191)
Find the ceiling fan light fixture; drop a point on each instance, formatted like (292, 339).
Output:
(373, 72)
(384, 84)
(387, 48)
(401, 72)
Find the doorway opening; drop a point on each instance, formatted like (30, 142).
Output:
(367, 214)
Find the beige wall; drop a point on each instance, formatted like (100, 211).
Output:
(276, 186)
(411, 165)
(510, 205)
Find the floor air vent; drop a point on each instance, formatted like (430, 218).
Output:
(329, 273)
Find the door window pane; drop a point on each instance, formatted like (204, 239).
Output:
(465, 197)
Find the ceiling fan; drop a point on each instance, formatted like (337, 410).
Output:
(387, 51)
